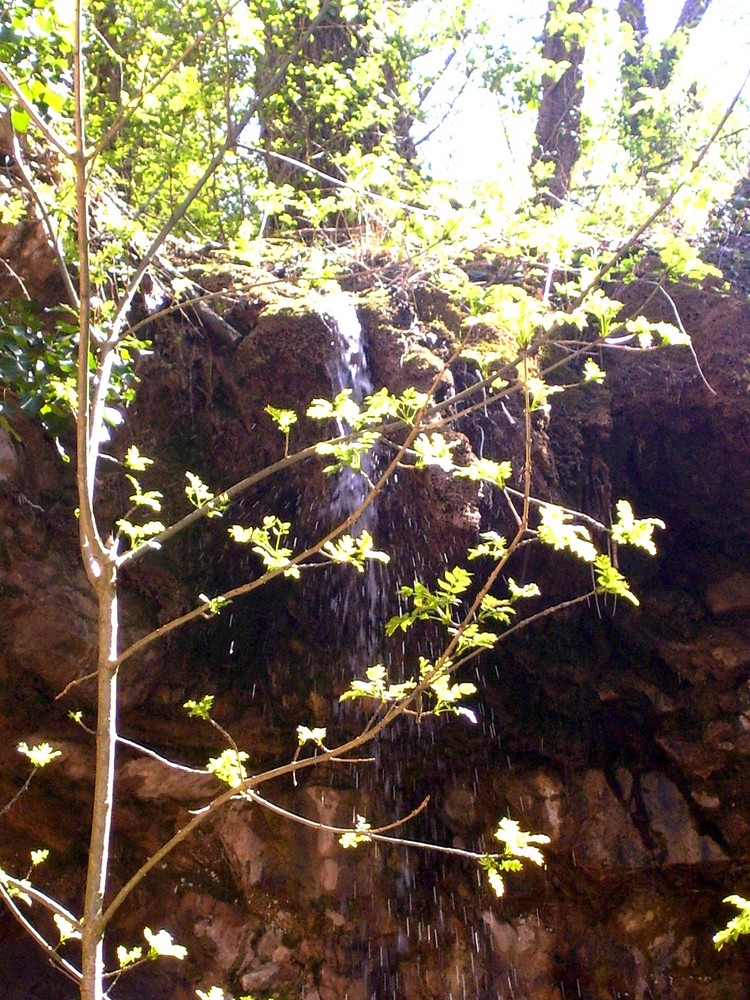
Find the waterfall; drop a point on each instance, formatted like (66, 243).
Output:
(348, 369)
(360, 605)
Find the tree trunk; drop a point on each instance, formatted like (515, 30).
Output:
(692, 13)
(558, 125)
(633, 12)
(92, 944)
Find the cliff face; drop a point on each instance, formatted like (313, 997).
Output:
(622, 733)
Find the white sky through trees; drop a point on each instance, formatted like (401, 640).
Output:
(477, 143)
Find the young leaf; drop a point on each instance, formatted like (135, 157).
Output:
(39, 755)
(284, 419)
(200, 709)
(518, 843)
(229, 767)
(135, 461)
(305, 735)
(359, 835)
(126, 957)
(161, 945)
(634, 531)
(611, 581)
(66, 929)
(557, 531)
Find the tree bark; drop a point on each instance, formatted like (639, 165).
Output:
(633, 12)
(558, 124)
(692, 14)
(92, 943)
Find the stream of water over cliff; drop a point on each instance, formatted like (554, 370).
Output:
(357, 604)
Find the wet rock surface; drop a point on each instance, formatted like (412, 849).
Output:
(622, 733)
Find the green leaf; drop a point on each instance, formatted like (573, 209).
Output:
(556, 530)
(347, 454)
(519, 843)
(284, 419)
(126, 957)
(20, 119)
(737, 925)
(229, 767)
(67, 930)
(215, 604)
(267, 542)
(161, 945)
(492, 545)
(359, 835)
(629, 530)
(40, 755)
(434, 449)
(201, 496)
(539, 393)
(611, 581)
(200, 709)
(592, 372)
(135, 461)
(306, 735)
(355, 551)
(487, 471)
(140, 532)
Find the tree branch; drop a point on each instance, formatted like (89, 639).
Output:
(30, 108)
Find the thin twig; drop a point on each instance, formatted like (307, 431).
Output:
(678, 318)
(17, 277)
(63, 964)
(23, 885)
(44, 127)
(76, 680)
(317, 825)
(52, 234)
(9, 805)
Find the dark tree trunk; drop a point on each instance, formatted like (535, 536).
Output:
(558, 125)
(692, 13)
(633, 12)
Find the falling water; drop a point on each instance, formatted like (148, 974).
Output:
(360, 607)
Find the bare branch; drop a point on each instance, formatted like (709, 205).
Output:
(47, 222)
(62, 964)
(316, 825)
(30, 108)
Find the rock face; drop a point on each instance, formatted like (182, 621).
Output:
(622, 733)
